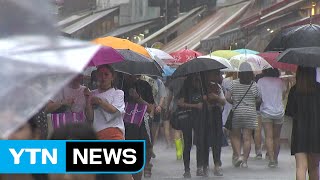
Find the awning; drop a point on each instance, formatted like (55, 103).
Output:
(71, 19)
(283, 9)
(87, 21)
(131, 27)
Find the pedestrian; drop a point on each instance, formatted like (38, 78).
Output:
(215, 100)
(190, 99)
(69, 99)
(159, 95)
(257, 133)
(226, 84)
(105, 106)
(272, 90)
(243, 93)
(139, 91)
(174, 87)
(303, 106)
(167, 115)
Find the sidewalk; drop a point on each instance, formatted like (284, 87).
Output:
(167, 167)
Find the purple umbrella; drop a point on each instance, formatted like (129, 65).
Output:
(105, 55)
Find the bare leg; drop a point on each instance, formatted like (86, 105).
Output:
(301, 165)
(155, 131)
(247, 135)
(276, 140)
(313, 166)
(166, 126)
(268, 130)
(258, 137)
(236, 139)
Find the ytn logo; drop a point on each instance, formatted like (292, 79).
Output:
(32, 152)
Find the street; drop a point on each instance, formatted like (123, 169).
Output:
(167, 167)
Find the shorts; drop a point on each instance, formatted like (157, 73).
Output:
(110, 134)
(269, 119)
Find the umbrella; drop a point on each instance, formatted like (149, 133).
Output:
(257, 63)
(183, 56)
(197, 65)
(33, 71)
(306, 56)
(159, 53)
(118, 43)
(168, 71)
(246, 51)
(105, 55)
(295, 37)
(136, 64)
(227, 54)
(271, 57)
(223, 61)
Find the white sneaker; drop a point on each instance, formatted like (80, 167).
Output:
(244, 165)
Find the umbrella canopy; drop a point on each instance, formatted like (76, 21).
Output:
(167, 70)
(295, 37)
(223, 61)
(136, 64)
(197, 65)
(271, 57)
(118, 43)
(159, 53)
(256, 62)
(33, 71)
(227, 54)
(246, 51)
(105, 55)
(307, 56)
(183, 56)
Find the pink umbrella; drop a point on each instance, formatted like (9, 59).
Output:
(271, 57)
(105, 55)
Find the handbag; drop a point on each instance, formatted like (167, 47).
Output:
(61, 119)
(228, 124)
(134, 113)
(179, 118)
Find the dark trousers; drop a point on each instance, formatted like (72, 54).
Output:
(187, 138)
(216, 154)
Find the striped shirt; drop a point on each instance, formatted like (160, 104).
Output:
(245, 116)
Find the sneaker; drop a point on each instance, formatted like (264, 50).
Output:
(217, 171)
(272, 164)
(258, 157)
(244, 165)
(205, 172)
(153, 155)
(200, 172)
(187, 175)
(238, 162)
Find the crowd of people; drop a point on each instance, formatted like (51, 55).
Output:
(206, 100)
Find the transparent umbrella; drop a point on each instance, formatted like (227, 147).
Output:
(35, 62)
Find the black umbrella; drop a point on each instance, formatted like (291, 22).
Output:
(136, 64)
(197, 65)
(307, 56)
(295, 37)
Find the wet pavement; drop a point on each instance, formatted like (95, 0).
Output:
(167, 167)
